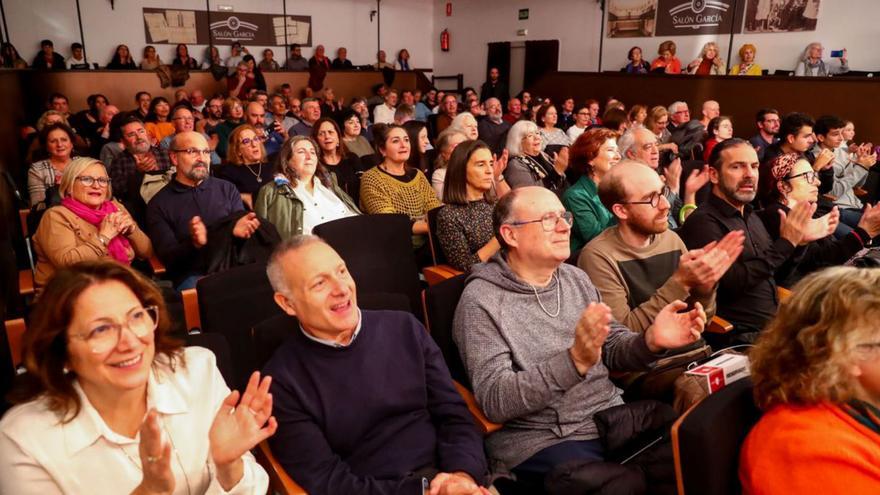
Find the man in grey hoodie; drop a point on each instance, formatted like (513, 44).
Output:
(537, 341)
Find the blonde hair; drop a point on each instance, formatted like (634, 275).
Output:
(747, 46)
(710, 44)
(44, 119)
(804, 353)
(666, 45)
(654, 115)
(74, 169)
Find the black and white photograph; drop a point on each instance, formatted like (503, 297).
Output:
(777, 16)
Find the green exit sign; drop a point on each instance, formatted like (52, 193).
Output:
(523, 14)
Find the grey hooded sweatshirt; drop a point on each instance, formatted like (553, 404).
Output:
(517, 358)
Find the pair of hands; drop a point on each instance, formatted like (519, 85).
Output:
(800, 228)
(870, 220)
(695, 181)
(671, 329)
(116, 223)
(244, 228)
(238, 426)
(699, 270)
(146, 162)
(455, 484)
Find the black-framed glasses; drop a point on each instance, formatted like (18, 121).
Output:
(549, 221)
(195, 152)
(653, 200)
(105, 336)
(89, 181)
(810, 176)
(255, 139)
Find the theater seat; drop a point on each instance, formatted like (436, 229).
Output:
(279, 481)
(440, 271)
(706, 441)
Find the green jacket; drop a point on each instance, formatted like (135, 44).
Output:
(277, 202)
(590, 216)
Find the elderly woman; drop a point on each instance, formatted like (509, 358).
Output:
(747, 65)
(528, 165)
(445, 145)
(464, 225)
(657, 122)
(789, 179)
(110, 404)
(246, 164)
(547, 118)
(667, 61)
(303, 194)
(719, 129)
(636, 65)
(335, 158)
(811, 63)
(466, 124)
(708, 63)
(87, 225)
(593, 155)
(394, 187)
(816, 370)
(354, 141)
(56, 140)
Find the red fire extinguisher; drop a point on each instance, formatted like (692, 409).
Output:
(444, 40)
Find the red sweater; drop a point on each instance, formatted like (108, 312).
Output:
(810, 449)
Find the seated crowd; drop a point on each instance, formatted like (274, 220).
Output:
(593, 247)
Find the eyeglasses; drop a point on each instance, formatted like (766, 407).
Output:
(653, 200)
(105, 336)
(194, 152)
(88, 181)
(549, 221)
(810, 176)
(255, 139)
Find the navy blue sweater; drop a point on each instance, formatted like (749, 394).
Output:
(370, 418)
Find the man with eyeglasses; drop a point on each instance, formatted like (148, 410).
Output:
(538, 342)
(493, 129)
(184, 121)
(181, 214)
(582, 119)
(767, 120)
(272, 139)
(127, 170)
(679, 114)
(747, 292)
(640, 265)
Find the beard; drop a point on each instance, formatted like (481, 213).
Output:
(733, 194)
(198, 171)
(139, 147)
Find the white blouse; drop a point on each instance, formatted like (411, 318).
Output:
(41, 456)
(319, 206)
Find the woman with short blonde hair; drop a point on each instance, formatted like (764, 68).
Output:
(709, 62)
(747, 65)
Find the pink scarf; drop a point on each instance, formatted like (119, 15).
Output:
(119, 245)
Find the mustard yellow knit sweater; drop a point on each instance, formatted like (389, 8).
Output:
(382, 193)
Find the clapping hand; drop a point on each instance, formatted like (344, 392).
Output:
(823, 226)
(695, 182)
(455, 484)
(795, 226)
(700, 270)
(589, 336)
(823, 160)
(865, 156)
(155, 454)
(673, 175)
(246, 226)
(198, 232)
(499, 164)
(672, 329)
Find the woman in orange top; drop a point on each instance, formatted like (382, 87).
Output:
(667, 59)
(816, 369)
(158, 122)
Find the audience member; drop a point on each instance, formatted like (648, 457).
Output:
(384, 113)
(158, 122)
(142, 102)
(466, 123)
(788, 180)
(636, 117)
(236, 56)
(582, 120)
(546, 118)
(494, 87)
(446, 143)
(746, 65)
(103, 133)
(311, 112)
(151, 60)
(402, 60)
(183, 121)
(392, 187)
(448, 110)
(381, 61)
(514, 111)
(528, 165)
(233, 113)
(341, 62)
(811, 63)
(796, 135)
(636, 64)
(640, 265)
(592, 155)
(105, 380)
(114, 146)
(566, 115)
(708, 63)
(87, 224)
(182, 58)
(401, 426)
(667, 61)
(10, 58)
(214, 63)
(354, 141)
(276, 118)
(679, 114)
(543, 372)
(296, 60)
(268, 64)
(48, 59)
(44, 176)
(710, 110)
(493, 129)
(767, 121)
(241, 81)
(615, 119)
(334, 157)
(417, 132)
(213, 115)
(122, 59)
(247, 164)
(747, 292)
(76, 60)
(719, 129)
(822, 427)
(139, 158)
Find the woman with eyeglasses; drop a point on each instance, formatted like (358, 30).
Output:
(529, 165)
(303, 194)
(816, 374)
(87, 225)
(246, 163)
(111, 404)
(788, 180)
(593, 155)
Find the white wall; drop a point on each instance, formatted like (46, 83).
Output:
(405, 24)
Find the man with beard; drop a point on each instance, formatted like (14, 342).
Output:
(493, 129)
(494, 87)
(640, 265)
(767, 120)
(103, 132)
(127, 170)
(213, 114)
(178, 217)
(747, 292)
(448, 111)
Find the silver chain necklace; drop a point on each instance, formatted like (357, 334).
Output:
(258, 174)
(558, 298)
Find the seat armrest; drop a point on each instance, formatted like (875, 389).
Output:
(719, 325)
(157, 266)
(782, 293)
(438, 273)
(482, 421)
(279, 480)
(191, 308)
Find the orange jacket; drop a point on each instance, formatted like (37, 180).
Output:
(818, 449)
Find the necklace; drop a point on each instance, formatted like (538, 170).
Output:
(137, 463)
(558, 299)
(258, 174)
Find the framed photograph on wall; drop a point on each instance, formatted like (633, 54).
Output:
(781, 16)
(631, 18)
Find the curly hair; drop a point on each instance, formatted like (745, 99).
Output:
(586, 148)
(804, 354)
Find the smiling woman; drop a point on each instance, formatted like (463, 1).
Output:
(110, 404)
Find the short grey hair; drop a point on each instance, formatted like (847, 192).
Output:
(275, 269)
(626, 142)
(674, 107)
(516, 134)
